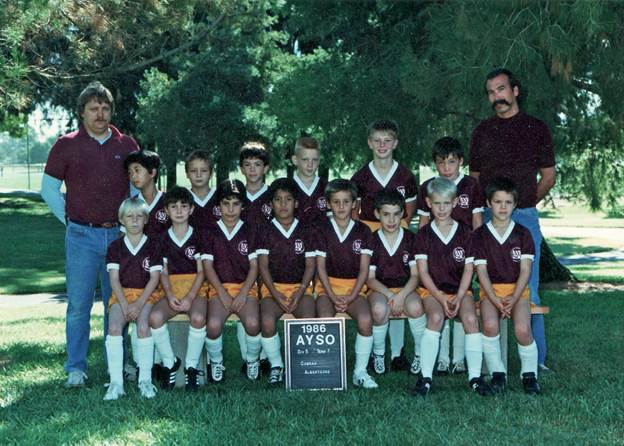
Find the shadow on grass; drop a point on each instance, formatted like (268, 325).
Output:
(567, 246)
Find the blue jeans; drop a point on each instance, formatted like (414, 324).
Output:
(529, 218)
(85, 265)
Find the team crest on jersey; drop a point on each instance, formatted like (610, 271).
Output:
(243, 247)
(190, 251)
(459, 254)
(464, 201)
(299, 247)
(321, 203)
(357, 246)
(161, 216)
(146, 264)
(402, 190)
(216, 211)
(516, 254)
(266, 209)
(405, 257)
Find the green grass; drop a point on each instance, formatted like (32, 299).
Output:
(580, 404)
(33, 248)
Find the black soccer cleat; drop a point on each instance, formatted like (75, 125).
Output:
(423, 385)
(400, 363)
(481, 387)
(192, 379)
(530, 384)
(265, 367)
(243, 368)
(168, 376)
(157, 372)
(498, 382)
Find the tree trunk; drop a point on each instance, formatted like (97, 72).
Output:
(551, 270)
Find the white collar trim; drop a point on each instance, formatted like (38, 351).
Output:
(224, 229)
(151, 205)
(342, 237)
(308, 190)
(446, 240)
(180, 243)
(383, 181)
(206, 199)
(501, 239)
(134, 251)
(281, 229)
(391, 249)
(254, 197)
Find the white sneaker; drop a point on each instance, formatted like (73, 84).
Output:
(379, 364)
(114, 392)
(253, 370)
(459, 367)
(415, 367)
(130, 372)
(442, 368)
(147, 389)
(276, 376)
(364, 380)
(76, 378)
(216, 371)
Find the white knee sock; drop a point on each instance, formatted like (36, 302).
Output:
(458, 342)
(445, 343)
(253, 347)
(379, 339)
(134, 337)
(474, 354)
(397, 337)
(528, 358)
(114, 355)
(417, 327)
(242, 339)
(194, 346)
(163, 345)
(214, 347)
(273, 349)
(363, 349)
(492, 354)
(145, 358)
(429, 346)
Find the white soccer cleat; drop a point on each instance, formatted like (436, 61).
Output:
(379, 364)
(114, 392)
(459, 367)
(415, 366)
(217, 370)
(147, 389)
(253, 370)
(364, 380)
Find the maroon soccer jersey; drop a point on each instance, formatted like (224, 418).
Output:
(180, 256)
(445, 256)
(470, 199)
(206, 211)
(287, 250)
(502, 254)
(392, 263)
(257, 209)
(134, 264)
(369, 182)
(342, 251)
(515, 148)
(94, 174)
(312, 204)
(230, 252)
(158, 221)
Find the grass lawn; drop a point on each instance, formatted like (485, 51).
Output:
(581, 402)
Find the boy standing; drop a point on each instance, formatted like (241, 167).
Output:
(254, 165)
(343, 256)
(312, 202)
(448, 156)
(503, 252)
(198, 167)
(384, 172)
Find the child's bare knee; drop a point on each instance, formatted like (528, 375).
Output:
(490, 327)
(198, 320)
(214, 328)
(379, 312)
(523, 333)
(268, 326)
(252, 326)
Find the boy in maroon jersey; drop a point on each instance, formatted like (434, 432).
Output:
(393, 277)
(286, 261)
(343, 255)
(503, 253)
(385, 172)
(133, 264)
(142, 167)
(198, 167)
(184, 290)
(312, 202)
(446, 273)
(230, 261)
(448, 156)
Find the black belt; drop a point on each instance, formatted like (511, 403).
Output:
(107, 225)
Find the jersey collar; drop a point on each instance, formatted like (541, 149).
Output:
(134, 251)
(342, 237)
(391, 249)
(259, 192)
(206, 199)
(383, 181)
(180, 243)
(308, 190)
(224, 229)
(446, 240)
(501, 239)
(154, 202)
(281, 229)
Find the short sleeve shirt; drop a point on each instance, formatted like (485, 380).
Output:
(312, 204)
(180, 256)
(94, 174)
(206, 211)
(445, 256)
(257, 208)
(158, 220)
(502, 254)
(342, 251)
(134, 263)
(392, 263)
(369, 182)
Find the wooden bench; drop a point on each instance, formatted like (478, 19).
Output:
(179, 326)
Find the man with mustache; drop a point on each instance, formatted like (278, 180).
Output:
(91, 163)
(517, 146)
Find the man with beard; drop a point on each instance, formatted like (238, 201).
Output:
(517, 146)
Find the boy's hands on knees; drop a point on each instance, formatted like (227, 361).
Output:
(133, 311)
(238, 303)
(185, 304)
(498, 303)
(226, 300)
(174, 304)
(341, 303)
(397, 304)
(282, 301)
(450, 307)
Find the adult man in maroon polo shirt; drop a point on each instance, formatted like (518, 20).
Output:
(91, 163)
(519, 147)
